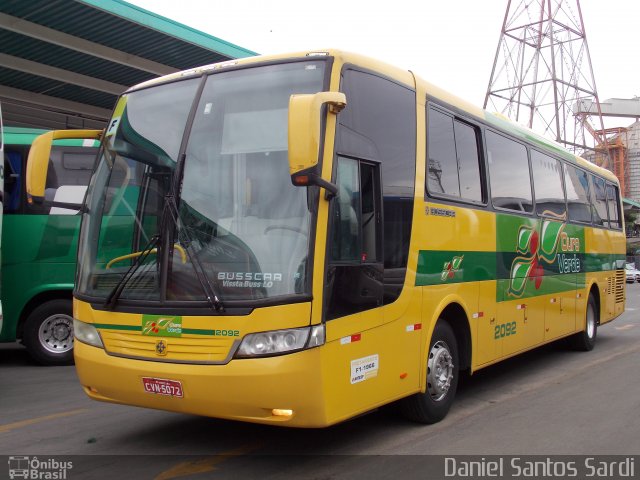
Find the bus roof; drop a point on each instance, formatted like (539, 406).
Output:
(26, 136)
(398, 74)
(492, 119)
(68, 61)
(21, 136)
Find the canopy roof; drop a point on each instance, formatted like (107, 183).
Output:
(64, 62)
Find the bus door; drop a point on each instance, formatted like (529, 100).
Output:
(356, 350)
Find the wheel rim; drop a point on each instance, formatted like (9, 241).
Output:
(56, 333)
(439, 371)
(591, 321)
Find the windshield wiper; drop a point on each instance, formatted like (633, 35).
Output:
(198, 268)
(116, 291)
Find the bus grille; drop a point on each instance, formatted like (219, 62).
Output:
(620, 282)
(195, 349)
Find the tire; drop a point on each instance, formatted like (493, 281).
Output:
(48, 333)
(434, 404)
(585, 341)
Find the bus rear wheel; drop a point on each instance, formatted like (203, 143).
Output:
(442, 379)
(48, 333)
(585, 340)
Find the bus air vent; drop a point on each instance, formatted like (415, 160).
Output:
(620, 281)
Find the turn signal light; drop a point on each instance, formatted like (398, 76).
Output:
(301, 180)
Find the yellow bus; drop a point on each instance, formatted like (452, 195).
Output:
(298, 239)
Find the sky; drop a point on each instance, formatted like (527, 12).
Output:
(451, 43)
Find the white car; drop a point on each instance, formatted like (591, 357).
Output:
(633, 275)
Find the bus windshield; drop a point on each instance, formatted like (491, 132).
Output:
(192, 189)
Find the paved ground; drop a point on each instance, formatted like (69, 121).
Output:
(547, 402)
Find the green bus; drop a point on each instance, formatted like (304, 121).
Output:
(39, 243)
(1, 199)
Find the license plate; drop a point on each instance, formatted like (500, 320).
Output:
(162, 386)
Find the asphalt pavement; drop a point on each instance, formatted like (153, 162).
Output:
(550, 401)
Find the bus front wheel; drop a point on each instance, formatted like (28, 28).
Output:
(48, 333)
(442, 379)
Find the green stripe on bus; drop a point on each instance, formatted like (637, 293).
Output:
(196, 331)
(440, 267)
(108, 326)
(138, 328)
(437, 267)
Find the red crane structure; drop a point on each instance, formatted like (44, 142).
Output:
(622, 157)
(542, 69)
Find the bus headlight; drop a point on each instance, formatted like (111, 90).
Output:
(87, 333)
(277, 342)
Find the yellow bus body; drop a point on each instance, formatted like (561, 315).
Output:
(314, 384)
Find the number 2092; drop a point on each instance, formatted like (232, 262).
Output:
(504, 330)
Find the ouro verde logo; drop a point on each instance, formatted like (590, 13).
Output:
(553, 246)
(449, 269)
(162, 325)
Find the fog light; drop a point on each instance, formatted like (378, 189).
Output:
(281, 412)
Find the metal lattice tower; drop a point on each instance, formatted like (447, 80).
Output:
(542, 69)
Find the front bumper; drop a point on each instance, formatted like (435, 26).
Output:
(244, 389)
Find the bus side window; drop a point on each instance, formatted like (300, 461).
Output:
(576, 183)
(68, 176)
(614, 206)
(356, 213)
(12, 181)
(547, 184)
(599, 201)
(346, 218)
(368, 130)
(453, 167)
(355, 270)
(442, 167)
(509, 175)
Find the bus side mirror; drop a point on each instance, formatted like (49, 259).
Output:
(38, 161)
(304, 136)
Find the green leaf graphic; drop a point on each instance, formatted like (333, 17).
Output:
(519, 274)
(524, 238)
(550, 235)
